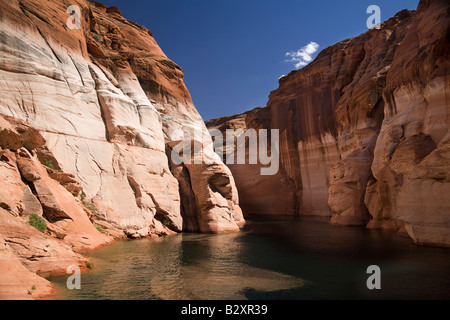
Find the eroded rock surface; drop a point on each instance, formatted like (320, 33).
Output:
(88, 119)
(364, 131)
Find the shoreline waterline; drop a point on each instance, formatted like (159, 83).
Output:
(287, 258)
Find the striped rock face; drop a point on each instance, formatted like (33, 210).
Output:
(364, 132)
(110, 106)
(90, 109)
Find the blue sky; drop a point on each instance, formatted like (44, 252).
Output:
(234, 51)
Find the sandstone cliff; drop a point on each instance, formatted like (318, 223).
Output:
(364, 132)
(88, 119)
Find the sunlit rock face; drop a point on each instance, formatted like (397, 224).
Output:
(108, 103)
(364, 132)
(90, 109)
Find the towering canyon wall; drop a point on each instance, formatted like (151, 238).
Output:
(88, 119)
(364, 131)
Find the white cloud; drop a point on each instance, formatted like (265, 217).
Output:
(303, 56)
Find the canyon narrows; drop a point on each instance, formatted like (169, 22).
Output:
(92, 112)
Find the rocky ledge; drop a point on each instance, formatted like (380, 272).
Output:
(90, 109)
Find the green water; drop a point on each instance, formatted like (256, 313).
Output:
(268, 259)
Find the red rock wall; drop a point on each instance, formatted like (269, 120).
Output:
(365, 131)
(103, 106)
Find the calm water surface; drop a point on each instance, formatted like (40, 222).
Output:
(269, 259)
